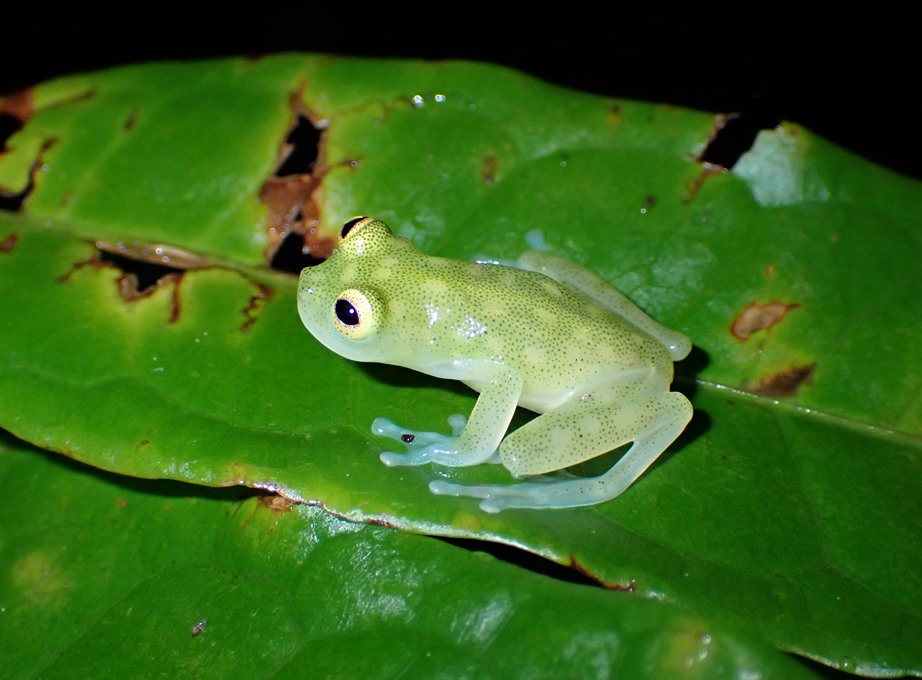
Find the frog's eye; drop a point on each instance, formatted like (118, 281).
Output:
(352, 224)
(354, 313)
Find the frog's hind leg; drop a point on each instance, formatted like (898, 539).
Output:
(650, 418)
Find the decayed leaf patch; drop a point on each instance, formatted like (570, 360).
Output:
(19, 105)
(708, 170)
(784, 383)
(289, 195)
(15, 195)
(757, 317)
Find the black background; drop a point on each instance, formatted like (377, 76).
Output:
(856, 86)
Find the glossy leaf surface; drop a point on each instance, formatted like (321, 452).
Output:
(789, 509)
(184, 581)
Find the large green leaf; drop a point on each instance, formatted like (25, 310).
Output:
(171, 580)
(788, 509)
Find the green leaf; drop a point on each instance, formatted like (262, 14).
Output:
(177, 580)
(788, 510)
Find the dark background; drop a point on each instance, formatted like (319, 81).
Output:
(857, 87)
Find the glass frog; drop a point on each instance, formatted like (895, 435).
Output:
(544, 334)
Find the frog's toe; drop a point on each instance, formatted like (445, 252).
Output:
(494, 496)
(441, 487)
(412, 439)
(394, 459)
(415, 456)
(428, 447)
(388, 428)
(494, 504)
(416, 439)
(457, 422)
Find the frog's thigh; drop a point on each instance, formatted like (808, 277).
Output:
(611, 415)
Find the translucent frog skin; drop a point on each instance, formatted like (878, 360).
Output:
(545, 334)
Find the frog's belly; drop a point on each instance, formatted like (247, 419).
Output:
(552, 394)
(539, 401)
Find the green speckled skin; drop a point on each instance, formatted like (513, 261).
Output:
(549, 336)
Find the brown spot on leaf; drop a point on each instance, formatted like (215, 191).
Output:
(256, 303)
(95, 262)
(19, 105)
(614, 115)
(7, 244)
(756, 317)
(784, 383)
(648, 203)
(285, 199)
(131, 120)
(591, 579)
(488, 169)
(707, 170)
(276, 504)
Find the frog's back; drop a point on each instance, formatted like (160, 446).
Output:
(550, 333)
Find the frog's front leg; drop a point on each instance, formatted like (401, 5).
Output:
(472, 442)
(636, 408)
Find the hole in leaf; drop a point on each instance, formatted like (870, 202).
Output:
(12, 202)
(145, 275)
(301, 150)
(9, 125)
(734, 135)
(288, 197)
(15, 110)
(291, 256)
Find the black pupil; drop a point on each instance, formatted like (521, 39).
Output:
(346, 313)
(347, 227)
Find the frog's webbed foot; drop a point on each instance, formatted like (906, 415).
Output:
(428, 447)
